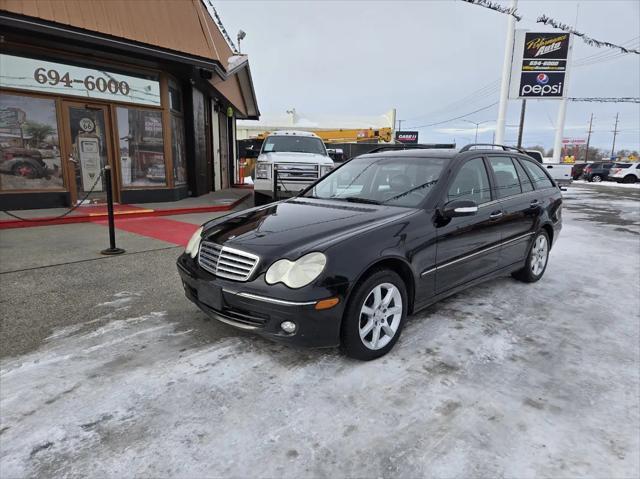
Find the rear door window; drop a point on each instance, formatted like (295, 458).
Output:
(504, 171)
(537, 174)
(471, 183)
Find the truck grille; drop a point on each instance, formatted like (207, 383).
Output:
(227, 262)
(298, 172)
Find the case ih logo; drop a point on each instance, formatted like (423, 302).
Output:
(407, 136)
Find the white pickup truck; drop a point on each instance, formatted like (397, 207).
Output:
(299, 157)
(560, 172)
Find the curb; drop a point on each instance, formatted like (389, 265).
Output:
(143, 213)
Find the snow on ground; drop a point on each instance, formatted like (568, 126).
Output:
(609, 183)
(505, 380)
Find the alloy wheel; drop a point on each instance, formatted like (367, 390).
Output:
(539, 255)
(380, 316)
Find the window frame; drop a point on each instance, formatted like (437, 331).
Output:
(526, 173)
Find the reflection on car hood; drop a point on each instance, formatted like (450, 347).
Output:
(293, 157)
(292, 227)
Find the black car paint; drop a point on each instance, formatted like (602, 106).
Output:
(436, 257)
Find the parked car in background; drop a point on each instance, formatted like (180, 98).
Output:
(599, 171)
(577, 169)
(630, 174)
(380, 237)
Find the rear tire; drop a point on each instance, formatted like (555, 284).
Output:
(596, 178)
(375, 315)
(629, 179)
(260, 199)
(537, 259)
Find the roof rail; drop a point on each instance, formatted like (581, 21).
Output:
(413, 146)
(504, 147)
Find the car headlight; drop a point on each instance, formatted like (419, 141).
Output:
(194, 243)
(263, 171)
(296, 274)
(324, 169)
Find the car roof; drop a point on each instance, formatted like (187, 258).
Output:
(442, 153)
(413, 153)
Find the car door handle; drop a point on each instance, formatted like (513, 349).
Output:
(495, 215)
(534, 203)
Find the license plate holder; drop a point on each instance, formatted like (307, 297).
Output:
(210, 295)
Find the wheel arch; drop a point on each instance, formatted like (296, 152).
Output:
(397, 265)
(549, 230)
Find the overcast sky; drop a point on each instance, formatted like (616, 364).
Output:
(426, 59)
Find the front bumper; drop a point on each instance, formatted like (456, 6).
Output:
(254, 307)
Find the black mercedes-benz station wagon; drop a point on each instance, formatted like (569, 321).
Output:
(380, 237)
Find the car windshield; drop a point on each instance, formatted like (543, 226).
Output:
(398, 181)
(293, 143)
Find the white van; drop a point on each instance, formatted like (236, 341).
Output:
(299, 157)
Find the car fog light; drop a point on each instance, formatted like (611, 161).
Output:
(288, 327)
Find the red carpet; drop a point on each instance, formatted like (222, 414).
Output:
(171, 231)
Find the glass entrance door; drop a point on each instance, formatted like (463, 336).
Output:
(88, 152)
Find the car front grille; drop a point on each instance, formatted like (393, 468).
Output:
(298, 172)
(225, 262)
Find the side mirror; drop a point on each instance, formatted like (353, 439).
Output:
(459, 208)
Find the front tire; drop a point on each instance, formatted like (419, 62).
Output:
(629, 179)
(375, 315)
(537, 259)
(596, 179)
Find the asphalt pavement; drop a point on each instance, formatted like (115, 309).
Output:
(107, 368)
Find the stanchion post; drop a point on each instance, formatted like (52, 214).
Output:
(111, 250)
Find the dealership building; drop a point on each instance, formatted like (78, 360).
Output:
(151, 89)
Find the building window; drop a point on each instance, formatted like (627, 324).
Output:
(178, 151)
(29, 145)
(175, 96)
(141, 147)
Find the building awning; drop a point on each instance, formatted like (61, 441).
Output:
(181, 30)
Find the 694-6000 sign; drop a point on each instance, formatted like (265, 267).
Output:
(90, 82)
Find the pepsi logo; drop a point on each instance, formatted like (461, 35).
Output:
(542, 79)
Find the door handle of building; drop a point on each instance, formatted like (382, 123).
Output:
(72, 159)
(495, 215)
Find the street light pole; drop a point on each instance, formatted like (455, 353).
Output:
(477, 123)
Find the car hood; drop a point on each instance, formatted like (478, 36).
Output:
(293, 157)
(298, 225)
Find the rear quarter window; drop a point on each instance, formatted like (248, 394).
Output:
(537, 174)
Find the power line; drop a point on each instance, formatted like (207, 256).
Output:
(606, 99)
(473, 96)
(458, 117)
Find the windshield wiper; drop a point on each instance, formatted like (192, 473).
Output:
(356, 199)
(419, 187)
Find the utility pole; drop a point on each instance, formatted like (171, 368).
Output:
(506, 73)
(615, 133)
(586, 153)
(400, 125)
(521, 128)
